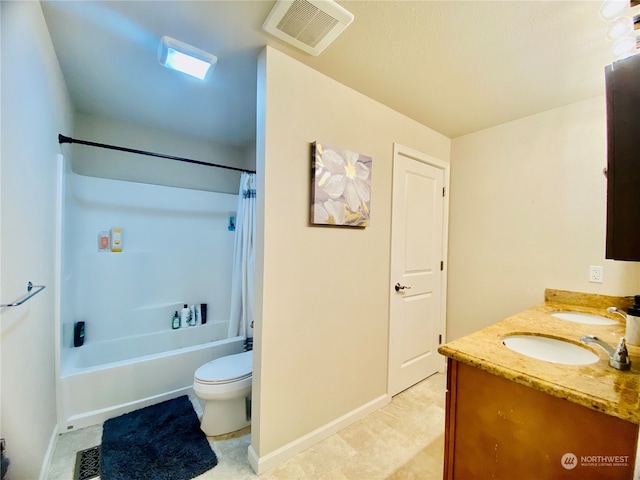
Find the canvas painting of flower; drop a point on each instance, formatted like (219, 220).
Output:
(341, 187)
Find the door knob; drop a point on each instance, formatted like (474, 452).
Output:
(399, 287)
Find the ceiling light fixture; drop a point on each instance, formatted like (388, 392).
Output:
(185, 58)
(624, 21)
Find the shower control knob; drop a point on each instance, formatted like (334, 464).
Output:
(399, 287)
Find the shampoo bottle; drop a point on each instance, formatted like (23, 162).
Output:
(175, 323)
(192, 315)
(78, 334)
(115, 239)
(184, 316)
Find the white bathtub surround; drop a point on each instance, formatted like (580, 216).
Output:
(177, 250)
(242, 280)
(90, 393)
(105, 354)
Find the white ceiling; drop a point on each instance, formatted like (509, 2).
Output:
(455, 66)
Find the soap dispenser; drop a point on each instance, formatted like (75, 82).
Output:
(632, 333)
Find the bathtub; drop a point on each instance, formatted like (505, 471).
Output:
(101, 380)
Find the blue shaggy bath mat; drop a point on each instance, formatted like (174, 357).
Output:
(160, 442)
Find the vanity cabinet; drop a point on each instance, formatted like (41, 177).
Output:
(623, 159)
(497, 428)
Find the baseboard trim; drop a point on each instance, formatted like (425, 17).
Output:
(275, 458)
(48, 456)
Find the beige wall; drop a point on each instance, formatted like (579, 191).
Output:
(125, 166)
(322, 300)
(35, 108)
(527, 212)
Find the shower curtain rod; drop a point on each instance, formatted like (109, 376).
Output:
(63, 139)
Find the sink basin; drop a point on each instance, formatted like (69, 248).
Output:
(550, 349)
(583, 318)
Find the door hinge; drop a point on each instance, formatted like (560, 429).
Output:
(439, 339)
(441, 265)
(444, 190)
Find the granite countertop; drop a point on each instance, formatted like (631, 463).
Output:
(596, 386)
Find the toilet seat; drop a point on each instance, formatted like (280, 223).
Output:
(224, 370)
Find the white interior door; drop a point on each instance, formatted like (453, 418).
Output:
(416, 295)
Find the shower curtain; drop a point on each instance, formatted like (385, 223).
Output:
(243, 260)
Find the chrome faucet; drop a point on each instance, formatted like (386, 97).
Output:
(616, 310)
(618, 357)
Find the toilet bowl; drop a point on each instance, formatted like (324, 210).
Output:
(225, 386)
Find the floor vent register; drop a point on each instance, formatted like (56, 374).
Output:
(87, 464)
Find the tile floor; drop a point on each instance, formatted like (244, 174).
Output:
(402, 441)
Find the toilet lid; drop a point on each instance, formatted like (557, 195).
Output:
(226, 369)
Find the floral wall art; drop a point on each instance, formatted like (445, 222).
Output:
(341, 186)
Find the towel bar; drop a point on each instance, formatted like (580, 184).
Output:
(30, 286)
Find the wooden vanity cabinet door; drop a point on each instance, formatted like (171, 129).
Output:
(623, 159)
(499, 429)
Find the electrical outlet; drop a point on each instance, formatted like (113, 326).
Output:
(595, 274)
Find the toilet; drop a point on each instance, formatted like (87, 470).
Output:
(225, 386)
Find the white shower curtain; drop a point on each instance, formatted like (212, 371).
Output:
(243, 260)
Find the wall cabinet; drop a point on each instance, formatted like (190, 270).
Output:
(499, 429)
(623, 159)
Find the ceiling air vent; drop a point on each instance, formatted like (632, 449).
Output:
(310, 25)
